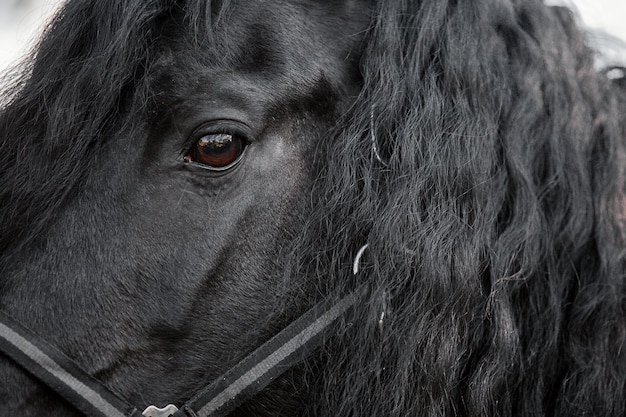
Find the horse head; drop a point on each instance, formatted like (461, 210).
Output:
(180, 180)
(171, 169)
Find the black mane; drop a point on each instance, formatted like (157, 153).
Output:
(483, 162)
(495, 218)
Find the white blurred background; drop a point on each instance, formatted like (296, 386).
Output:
(22, 20)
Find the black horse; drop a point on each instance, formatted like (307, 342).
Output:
(181, 179)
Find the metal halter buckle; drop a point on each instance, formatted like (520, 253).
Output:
(167, 411)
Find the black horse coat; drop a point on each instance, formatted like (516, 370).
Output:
(180, 179)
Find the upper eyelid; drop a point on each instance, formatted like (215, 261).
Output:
(220, 126)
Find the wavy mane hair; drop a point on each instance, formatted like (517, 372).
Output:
(483, 162)
(495, 218)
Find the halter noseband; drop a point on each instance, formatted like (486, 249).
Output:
(250, 376)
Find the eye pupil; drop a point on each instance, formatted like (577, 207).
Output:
(216, 150)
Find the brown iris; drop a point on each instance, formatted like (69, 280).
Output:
(216, 151)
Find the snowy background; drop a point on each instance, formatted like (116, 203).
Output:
(22, 20)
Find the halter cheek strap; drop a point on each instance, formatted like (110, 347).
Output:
(250, 376)
(51, 366)
(264, 365)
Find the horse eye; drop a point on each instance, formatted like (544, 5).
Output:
(216, 151)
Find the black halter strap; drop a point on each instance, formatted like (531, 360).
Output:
(290, 346)
(51, 366)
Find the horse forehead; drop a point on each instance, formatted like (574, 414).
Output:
(309, 30)
(263, 48)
